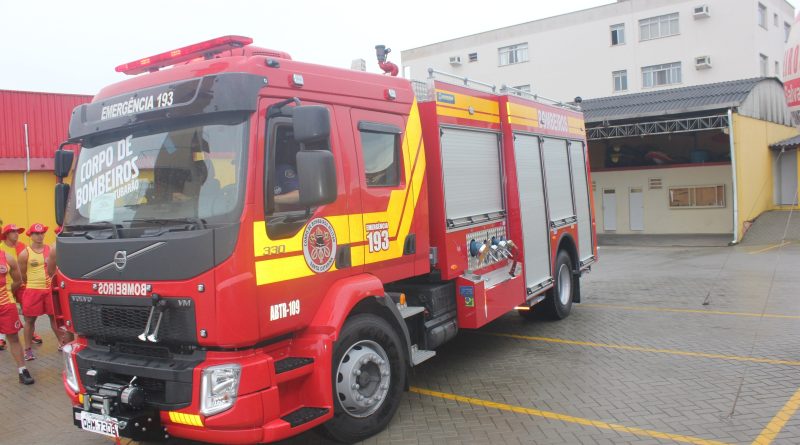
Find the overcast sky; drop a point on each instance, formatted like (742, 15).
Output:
(72, 46)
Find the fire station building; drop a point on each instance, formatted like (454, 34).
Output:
(32, 125)
(705, 159)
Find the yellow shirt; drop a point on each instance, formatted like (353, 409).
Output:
(11, 250)
(37, 269)
(6, 296)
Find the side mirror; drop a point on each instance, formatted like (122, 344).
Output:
(62, 193)
(311, 123)
(63, 162)
(317, 174)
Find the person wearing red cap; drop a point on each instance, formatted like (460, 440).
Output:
(9, 317)
(37, 299)
(10, 244)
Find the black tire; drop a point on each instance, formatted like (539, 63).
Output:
(359, 336)
(556, 305)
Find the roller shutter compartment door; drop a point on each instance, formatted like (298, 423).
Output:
(557, 178)
(472, 174)
(532, 209)
(581, 184)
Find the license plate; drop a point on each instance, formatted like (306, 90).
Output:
(96, 423)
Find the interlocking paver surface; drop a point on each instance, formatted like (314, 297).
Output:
(721, 394)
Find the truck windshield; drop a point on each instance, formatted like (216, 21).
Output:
(159, 175)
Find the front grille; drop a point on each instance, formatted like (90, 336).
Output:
(125, 318)
(141, 350)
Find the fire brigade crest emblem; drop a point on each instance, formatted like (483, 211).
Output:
(319, 245)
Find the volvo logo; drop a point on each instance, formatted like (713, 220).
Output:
(121, 259)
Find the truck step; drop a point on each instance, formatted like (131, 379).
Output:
(290, 363)
(420, 355)
(410, 311)
(304, 415)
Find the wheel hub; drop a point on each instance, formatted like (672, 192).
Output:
(564, 284)
(363, 378)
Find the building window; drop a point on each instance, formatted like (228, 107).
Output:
(620, 80)
(510, 55)
(618, 34)
(787, 28)
(657, 27)
(381, 159)
(697, 197)
(762, 16)
(763, 64)
(473, 57)
(658, 75)
(775, 19)
(777, 69)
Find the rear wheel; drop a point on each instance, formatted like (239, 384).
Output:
(558, 302)
(369, 370)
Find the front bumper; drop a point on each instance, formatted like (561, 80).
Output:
(264, 397)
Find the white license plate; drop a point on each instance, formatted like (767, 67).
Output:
(96, 423)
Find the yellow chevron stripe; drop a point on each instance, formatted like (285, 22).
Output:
(185, 419)
(519, 114)
(576, 126)
(464, 101)
(399, 214)
(464, 114)
(484, 110)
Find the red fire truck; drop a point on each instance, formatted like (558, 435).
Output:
(254, 246)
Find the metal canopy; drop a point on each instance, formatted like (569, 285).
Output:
(687, 109)
(659, 127)
(787, 144)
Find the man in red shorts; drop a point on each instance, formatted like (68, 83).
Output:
(37, 298)
(9, 318)
(10, 243)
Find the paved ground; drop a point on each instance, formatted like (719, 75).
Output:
(642, 361)
(642, 240)
(773, 227)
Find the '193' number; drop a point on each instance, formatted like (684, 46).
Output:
(164, 99)
(378, 240)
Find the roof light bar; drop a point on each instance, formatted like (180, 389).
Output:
(209, 47)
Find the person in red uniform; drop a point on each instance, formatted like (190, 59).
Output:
(10, 243)
(9, 317)
(37, 298)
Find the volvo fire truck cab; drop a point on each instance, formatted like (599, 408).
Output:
(254, 246)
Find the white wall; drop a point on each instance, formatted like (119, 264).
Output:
(571, 55)
(659, 218)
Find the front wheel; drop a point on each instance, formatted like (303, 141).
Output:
(369, 372)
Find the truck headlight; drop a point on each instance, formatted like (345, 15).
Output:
(69, 369)
(218, 388)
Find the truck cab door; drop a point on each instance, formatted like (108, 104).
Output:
(388, 198)
(299, 251)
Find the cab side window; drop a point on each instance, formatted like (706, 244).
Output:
(283, 212)
(380, 145)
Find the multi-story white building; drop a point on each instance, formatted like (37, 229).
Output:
(625, 47)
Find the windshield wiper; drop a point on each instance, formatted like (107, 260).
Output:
(200, 223)
(98, 225)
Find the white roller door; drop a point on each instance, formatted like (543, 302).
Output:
(581, 184)
(472, 174)
(532, 210)
(559, 188)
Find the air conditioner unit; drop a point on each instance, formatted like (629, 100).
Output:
(455, 60)
(702, 62)
(701, 12)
